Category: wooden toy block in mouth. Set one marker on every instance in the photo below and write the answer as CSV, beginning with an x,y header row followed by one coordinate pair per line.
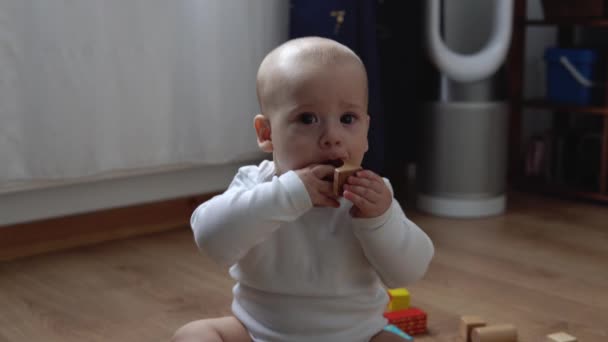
x,y
341,174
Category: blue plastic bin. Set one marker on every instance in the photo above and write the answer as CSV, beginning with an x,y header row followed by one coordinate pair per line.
x,y
562,86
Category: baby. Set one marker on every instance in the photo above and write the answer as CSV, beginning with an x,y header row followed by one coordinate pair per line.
x,y
309,265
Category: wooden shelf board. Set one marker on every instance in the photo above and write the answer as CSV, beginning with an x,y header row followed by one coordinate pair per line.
x,y
561,191
582,21
542,104
604,160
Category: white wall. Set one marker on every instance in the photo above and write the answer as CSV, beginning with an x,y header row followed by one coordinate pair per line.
x,y
34,200
52,201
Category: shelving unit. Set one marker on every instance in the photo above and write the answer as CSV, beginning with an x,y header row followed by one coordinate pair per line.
x,y
543,104
515,66
589,22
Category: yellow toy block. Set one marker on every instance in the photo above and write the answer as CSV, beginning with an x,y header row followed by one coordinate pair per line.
x,y
400,299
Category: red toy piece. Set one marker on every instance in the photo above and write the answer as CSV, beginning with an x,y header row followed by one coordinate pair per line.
x,y
412,321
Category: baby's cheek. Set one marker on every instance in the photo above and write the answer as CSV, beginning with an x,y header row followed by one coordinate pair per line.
x,y
293,158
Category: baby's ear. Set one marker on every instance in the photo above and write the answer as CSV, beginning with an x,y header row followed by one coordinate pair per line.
x,y
262,130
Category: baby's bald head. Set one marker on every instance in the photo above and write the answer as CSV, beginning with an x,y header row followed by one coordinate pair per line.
x,y
289,62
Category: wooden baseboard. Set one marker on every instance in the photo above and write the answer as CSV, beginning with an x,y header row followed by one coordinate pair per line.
x,y
26,239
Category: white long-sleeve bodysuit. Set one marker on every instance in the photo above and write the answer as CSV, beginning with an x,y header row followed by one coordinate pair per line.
x,y
304,273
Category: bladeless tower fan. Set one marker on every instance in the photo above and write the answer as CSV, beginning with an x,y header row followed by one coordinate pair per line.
x,y
463,158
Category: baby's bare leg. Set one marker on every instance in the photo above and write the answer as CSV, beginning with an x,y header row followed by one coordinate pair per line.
x,y
224,329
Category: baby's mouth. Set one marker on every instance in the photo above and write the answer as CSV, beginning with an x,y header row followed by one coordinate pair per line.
x,y
334,162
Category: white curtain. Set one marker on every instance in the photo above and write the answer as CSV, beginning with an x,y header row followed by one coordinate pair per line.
x,y
94,86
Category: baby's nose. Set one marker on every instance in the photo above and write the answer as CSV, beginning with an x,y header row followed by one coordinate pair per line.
x,y
331,137
329,143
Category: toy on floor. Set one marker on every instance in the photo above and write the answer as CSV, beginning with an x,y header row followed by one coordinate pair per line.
x,y
560,337
393,329
475,329
411,320
468,323
341,174
494,333
399,299
399,313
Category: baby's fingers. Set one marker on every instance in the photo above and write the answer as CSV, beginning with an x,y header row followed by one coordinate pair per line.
x,y
323,171
363,191
361,203
324,194
365,183
368,179
326,201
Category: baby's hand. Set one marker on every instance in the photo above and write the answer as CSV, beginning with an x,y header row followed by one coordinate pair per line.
x,y
369,194
319,189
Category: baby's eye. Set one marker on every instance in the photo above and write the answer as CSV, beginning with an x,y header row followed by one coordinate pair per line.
x,y
307,118
348,118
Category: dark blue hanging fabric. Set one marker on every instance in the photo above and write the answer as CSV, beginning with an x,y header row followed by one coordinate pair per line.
x,y
408,80
352,23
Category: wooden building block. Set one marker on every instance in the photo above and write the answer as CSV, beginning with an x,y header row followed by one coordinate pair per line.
x,y
467,323
561,337
495,333
341,174
400,299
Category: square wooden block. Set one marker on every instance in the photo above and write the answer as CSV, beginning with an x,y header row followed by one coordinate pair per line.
x,y
467,323
341,174
560,337
494,333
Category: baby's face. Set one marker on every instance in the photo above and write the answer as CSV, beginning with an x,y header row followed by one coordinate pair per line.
x,y
319,115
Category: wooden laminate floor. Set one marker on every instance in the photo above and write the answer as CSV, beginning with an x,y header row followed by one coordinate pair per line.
x,y
543,267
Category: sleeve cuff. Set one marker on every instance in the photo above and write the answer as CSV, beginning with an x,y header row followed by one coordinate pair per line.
x,y
373,222
297,191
